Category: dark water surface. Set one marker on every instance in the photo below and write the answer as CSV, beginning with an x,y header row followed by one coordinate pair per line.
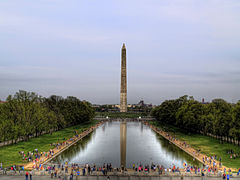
x,y
126,143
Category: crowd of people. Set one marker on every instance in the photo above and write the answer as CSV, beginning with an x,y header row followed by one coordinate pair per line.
x,y
233,154
61,170
35,156
212,161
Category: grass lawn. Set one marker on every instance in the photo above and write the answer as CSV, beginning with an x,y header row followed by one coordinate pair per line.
x,y
207,145
9,155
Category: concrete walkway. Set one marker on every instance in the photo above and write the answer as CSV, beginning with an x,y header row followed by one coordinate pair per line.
x,y
2,177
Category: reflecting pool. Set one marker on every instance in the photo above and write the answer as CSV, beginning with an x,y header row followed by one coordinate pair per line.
x,y
125,143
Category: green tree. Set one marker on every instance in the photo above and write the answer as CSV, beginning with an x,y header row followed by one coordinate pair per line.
x,y
166,112
235,124
189,116
54,103
221,111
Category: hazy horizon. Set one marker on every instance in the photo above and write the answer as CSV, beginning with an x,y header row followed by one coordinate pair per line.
x,y
73,48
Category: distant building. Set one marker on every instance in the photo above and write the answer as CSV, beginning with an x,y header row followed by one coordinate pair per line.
x,y
141,103
140,107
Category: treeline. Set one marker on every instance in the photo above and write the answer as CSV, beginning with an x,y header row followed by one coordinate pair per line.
x,y
218,119
26,114
145,109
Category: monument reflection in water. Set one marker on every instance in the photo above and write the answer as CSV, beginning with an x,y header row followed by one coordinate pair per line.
x,y
125,143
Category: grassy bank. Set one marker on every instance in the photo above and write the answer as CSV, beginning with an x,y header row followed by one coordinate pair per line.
x,y
207,145
9,155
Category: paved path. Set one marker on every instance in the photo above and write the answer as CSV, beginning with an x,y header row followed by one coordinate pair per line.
x,y
119,178
3,177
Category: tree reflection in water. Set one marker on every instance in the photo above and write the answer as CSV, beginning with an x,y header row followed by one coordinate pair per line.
x,y
125,143
71,152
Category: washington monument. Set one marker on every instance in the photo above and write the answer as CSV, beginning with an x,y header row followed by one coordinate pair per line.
x,y
123,93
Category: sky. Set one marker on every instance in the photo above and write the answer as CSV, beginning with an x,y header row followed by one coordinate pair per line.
x,y
73,48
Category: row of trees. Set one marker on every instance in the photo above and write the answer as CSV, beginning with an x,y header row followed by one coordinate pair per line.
x,y
218,118
146,109
27,114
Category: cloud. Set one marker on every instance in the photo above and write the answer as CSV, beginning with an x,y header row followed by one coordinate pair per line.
x,y
73,47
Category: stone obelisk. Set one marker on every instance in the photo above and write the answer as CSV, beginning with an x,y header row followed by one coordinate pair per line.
x,y
123,93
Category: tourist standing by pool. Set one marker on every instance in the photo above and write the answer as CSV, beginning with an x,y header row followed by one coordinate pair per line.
x,y
26,175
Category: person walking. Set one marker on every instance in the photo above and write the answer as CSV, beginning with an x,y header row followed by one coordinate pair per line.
x,y
228,176
71,176
30,175
224,176
83,171
26,175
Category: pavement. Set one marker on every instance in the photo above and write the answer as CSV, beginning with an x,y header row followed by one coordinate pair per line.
x,y
3,177
17,177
